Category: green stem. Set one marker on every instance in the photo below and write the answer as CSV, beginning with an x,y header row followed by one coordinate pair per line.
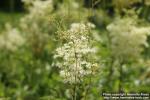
x,y
75,93
120,77
76,62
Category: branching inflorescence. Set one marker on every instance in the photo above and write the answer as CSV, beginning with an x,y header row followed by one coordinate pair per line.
x,y
75,55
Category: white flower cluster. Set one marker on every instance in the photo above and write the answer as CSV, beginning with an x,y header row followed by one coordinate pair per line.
x,y
75,56
127,39
36,24
11,39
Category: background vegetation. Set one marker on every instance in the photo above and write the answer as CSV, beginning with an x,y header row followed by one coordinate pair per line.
x,y
32,30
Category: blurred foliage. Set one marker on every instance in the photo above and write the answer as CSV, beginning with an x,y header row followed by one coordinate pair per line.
x,y
28,72
11,18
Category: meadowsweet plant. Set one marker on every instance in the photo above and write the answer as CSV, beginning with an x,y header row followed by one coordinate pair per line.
x,y
36,25
127,42
11,39
76,53
127,38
